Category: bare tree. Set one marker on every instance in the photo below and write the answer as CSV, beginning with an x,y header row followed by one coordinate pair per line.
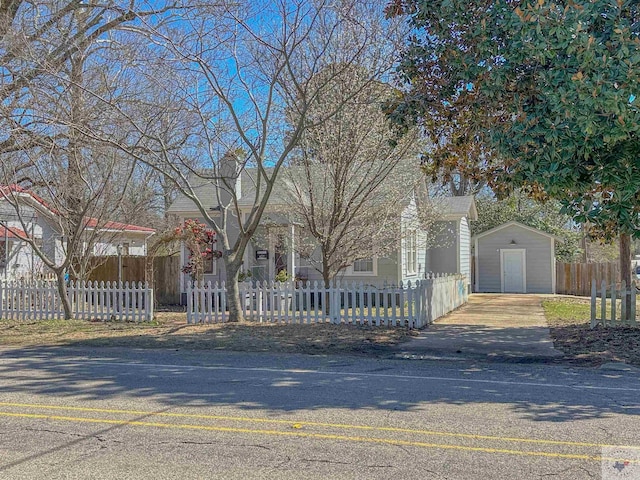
x,y
354,175
37,39
61,60
245,69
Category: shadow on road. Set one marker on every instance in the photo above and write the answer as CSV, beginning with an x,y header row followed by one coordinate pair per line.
x,y
291,383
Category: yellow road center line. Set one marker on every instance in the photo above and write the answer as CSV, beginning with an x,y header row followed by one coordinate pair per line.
x,y
323,436
319,424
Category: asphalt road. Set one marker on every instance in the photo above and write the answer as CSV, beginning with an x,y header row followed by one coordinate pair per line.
x,y
73,413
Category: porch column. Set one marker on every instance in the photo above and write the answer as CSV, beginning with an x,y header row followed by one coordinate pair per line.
x,y
272,258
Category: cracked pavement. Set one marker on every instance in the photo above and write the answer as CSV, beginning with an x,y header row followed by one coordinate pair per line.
x,y
117,413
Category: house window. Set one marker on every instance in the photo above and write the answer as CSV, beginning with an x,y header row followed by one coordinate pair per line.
x,y
3,254
125,249
209,263
364,265
412,252
209,266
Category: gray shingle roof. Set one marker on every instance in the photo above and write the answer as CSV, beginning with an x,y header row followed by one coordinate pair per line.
x,y
460,206
205,191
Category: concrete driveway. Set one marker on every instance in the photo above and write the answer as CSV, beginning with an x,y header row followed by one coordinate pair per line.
x,y
491,326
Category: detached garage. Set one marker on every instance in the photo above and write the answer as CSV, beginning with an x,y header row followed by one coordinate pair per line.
x,y
515,258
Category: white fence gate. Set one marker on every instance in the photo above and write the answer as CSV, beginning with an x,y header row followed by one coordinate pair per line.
x,y
412,305
617,314
89,301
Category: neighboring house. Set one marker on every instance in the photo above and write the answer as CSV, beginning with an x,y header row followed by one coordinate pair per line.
x,y
412,259
515,258
39,221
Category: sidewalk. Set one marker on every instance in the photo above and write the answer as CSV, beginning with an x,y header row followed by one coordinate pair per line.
x,y
497,327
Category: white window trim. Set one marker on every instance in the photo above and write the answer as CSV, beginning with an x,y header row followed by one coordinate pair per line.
x,y
350,273
412,267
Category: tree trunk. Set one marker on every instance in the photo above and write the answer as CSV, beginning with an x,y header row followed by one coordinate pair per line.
x,y
326,302
625,268
236,311
62,292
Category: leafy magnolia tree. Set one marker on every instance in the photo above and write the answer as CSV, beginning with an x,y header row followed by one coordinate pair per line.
x,y
452,115
457,155
353,174
562,78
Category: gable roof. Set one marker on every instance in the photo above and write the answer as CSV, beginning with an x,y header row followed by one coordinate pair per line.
x,y
460,207
205,190
91,223
513,223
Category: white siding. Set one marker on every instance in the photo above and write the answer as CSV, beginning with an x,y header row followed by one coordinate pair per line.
x,y
465,248
538,259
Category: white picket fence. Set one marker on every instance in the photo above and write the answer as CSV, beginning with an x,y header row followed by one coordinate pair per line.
x,y
613,308
89,301
412,305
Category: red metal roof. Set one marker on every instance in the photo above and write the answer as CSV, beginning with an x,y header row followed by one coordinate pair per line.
x,y
92,223
5,190
12,233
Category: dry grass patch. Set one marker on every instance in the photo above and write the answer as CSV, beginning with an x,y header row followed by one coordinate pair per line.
x,y
171,331
569,319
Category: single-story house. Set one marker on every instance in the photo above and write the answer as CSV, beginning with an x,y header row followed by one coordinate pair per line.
x,y
412,259
37,220
515,258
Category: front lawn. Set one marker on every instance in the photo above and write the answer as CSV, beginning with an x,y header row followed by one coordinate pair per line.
x,y
569,319
171,331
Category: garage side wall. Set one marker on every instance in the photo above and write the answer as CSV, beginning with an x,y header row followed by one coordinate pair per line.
x,y
538,259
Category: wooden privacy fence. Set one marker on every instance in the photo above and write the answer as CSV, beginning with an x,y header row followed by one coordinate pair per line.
x,y
575,278
412,305
166,280
618,313
162,272
105,269
89,301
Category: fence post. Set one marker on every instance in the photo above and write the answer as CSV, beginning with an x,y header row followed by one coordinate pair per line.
x,y
335,310
623,301
613,304
632,314
603,302
149,309
189,302
594,294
